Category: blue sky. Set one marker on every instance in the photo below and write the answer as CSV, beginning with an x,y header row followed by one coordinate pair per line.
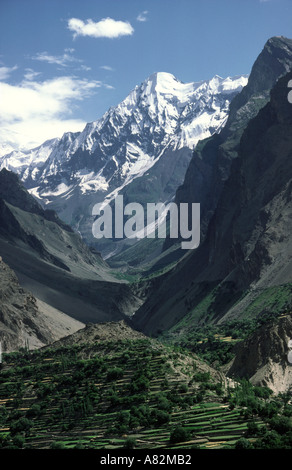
x,y
65,62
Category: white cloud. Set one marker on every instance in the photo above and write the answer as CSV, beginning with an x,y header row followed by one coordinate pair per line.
x,y
33,112
24,135
62,60
142,17
109,87
106,67
5,72
85,68
30,74
105,28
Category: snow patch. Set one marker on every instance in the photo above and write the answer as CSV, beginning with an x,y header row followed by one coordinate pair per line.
x,y
60,189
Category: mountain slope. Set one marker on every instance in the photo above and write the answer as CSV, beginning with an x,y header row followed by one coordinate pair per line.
x,y
96,387
53,262
212,159
24,321
162,118
94,391
93,333
262,357
247,244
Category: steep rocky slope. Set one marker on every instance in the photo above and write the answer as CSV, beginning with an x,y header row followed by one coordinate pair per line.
x,y
54,263
248,240
24,322
212,158
262,358
13,191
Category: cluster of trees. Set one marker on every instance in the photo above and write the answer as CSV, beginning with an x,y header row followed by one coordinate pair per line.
x,y
276,435
254,400
138,416
12,442
203,342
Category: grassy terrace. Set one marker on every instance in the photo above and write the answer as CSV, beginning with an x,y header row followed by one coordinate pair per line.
x,y
110,395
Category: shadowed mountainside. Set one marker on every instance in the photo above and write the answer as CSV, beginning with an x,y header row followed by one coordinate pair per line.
x,y
248,243
54,263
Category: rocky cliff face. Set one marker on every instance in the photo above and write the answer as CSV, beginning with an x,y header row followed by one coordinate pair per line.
x,y
25,321
212,159
20,319
263,357
252,222
248,240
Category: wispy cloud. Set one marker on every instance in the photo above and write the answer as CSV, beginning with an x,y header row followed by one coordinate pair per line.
x,y
105,28
85,68
106,67
142,17
30,74
5,72
109,87
62,60
32,112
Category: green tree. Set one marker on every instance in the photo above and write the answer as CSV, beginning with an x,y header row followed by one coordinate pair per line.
x,y
252,428
243,443
21,425
34,411
130,443
57,445
271,440
115,373
178,434
281,424
18,440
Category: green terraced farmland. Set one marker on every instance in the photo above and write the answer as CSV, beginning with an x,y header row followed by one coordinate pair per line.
x,y
116,394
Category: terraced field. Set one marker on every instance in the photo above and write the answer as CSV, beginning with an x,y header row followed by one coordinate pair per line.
x,y
110,395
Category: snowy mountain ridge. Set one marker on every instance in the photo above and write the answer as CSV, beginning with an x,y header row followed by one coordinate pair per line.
x,y
161,114
186,113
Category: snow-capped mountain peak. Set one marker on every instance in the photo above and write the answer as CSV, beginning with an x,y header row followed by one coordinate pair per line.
x,y
161,115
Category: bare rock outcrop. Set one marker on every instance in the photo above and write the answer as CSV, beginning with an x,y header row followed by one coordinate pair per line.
x,y
263,357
